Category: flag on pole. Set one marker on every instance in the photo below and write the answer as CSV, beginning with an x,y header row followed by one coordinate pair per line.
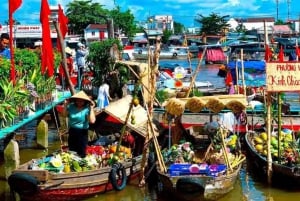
x,y
63,25
268,53
47,52
281,55
13,6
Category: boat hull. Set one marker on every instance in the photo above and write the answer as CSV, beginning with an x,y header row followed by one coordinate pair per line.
x,y
282,175
199,187
70,186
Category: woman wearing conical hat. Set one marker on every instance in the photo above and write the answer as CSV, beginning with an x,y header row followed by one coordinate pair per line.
x,y
80,113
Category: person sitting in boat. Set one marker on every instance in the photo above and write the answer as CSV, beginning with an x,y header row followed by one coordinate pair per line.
x,y
128,140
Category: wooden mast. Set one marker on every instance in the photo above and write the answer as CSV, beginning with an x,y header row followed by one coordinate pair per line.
x,y
63,56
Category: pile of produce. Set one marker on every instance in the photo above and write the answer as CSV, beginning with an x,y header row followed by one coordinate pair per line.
x,y
175,106
214,105
195,104
181,153
97,157
288,146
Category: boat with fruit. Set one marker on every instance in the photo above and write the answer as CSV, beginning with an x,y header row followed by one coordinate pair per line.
x,y
202,165
284,151
64,175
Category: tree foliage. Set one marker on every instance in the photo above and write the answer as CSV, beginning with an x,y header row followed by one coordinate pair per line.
x,y
213,24
166,36
123,22
279,22
81,13
178,28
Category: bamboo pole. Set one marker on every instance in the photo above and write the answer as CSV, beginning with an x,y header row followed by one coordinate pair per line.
x,y
279,123
269,157
243,71
237,76
63,55
224,149
195,73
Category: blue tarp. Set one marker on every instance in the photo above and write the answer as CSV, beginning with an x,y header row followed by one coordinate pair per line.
x,y
254,72
253,65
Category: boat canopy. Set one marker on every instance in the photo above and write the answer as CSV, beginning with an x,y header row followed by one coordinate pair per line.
x,y
250,65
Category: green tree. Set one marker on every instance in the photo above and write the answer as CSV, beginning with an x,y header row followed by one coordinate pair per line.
x,y
81,13
240,28
279,22
213,24
166,36
124,22
178,28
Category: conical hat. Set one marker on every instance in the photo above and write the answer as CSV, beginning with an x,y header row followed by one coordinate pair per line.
x,y
82,95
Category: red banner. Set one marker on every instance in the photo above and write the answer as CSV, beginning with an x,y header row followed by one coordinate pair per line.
x,y
13,6
47,51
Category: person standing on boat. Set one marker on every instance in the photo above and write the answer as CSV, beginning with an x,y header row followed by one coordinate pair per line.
x,y
69,61
4,42
80,61
80,113
103,96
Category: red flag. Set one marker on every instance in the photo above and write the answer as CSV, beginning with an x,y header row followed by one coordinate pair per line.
x,y
13,6
297,51
268,53
281,55
47,52
63,25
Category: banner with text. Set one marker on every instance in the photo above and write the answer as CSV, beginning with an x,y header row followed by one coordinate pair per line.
x,y
284,76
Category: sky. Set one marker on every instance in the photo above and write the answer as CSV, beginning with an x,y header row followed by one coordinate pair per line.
x,y
183,11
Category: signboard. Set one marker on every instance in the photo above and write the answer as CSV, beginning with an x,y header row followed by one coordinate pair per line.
x,y
283,76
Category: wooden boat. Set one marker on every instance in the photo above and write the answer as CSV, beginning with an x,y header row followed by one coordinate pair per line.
x,y
32,182
172,52
207,164
285,174
208,177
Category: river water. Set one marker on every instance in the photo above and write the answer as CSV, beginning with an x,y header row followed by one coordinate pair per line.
x,y
247,188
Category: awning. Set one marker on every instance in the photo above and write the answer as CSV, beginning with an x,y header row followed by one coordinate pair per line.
x,y
119,109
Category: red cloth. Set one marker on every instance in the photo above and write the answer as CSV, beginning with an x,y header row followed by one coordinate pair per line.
x,y
228,79
69,66
13,6
268,53
63,25
128,140
281,55
47,63
298,51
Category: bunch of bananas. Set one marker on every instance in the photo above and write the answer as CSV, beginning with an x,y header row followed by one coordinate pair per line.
x,y
214,105
235,106
195,104
175,106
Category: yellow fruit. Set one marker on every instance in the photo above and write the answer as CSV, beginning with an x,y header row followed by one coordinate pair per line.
x,y
258,140
56,163
67,168
135,101
264,136
259,147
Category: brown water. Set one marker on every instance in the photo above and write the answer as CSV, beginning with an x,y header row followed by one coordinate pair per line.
x,y
247,188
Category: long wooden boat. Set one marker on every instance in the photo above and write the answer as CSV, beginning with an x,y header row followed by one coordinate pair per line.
x,y
284,174
46,185
32,182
